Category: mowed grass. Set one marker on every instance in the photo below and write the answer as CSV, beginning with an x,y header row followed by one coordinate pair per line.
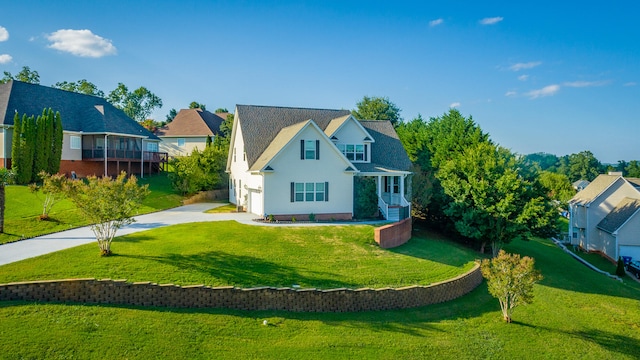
x,y
576,314
229,253
23,208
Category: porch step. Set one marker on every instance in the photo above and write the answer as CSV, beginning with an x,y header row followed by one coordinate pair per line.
x,y
394,213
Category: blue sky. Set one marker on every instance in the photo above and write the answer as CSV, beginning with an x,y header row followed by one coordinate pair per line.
x,y
539,77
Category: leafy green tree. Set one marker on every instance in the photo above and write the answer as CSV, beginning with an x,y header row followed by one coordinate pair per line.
x,y
583,166
172,115
221,110
81,86
138,104
492,202
5,178
633,169
223,139
377,108
209,141
557,185
510,279
196,105
201,170
108,204
544,161
421,192
25,75
53,187
365,197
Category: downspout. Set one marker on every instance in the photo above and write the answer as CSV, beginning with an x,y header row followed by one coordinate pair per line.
x,y
105,154
141,158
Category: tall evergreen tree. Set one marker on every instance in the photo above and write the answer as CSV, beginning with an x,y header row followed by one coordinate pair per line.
x,y
56,144
29,141
16,145
41,152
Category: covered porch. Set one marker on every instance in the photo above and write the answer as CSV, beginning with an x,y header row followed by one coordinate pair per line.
x,y
392,189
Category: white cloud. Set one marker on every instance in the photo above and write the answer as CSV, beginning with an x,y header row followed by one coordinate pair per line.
x,y
5,58
81,43
580,84
491,20
527,65
630,83
510,93
4,34
455,105
523,77
436,22
545,91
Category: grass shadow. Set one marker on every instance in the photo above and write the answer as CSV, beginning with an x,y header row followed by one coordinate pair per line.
x,y
246,271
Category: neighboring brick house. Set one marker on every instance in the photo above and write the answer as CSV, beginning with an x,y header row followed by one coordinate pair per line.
x,y
189,131
292,162
604,216
98,138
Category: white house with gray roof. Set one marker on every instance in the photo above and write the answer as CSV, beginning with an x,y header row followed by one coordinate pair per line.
x,y
293,162
603,216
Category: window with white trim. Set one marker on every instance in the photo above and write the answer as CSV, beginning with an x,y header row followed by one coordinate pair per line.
x,y
181,142
310,149
75,142
311,191
354,152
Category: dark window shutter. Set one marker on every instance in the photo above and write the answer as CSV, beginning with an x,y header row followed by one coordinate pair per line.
x,y
301,149
293,192
317,149
326,191
365,152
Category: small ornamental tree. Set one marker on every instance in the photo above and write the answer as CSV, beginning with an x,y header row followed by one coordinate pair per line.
x,y
510,279
108,204
53,187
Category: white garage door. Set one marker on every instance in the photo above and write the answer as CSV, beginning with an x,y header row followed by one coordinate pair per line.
x,y
633,251
255,202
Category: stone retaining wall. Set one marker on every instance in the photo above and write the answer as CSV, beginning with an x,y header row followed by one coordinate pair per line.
x,y
92,291
393,235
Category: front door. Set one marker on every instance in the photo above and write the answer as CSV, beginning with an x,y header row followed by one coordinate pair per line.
x,y
392,188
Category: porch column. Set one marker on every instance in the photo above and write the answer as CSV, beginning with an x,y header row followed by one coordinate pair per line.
x,y
106,146
402,185
379,186
141,158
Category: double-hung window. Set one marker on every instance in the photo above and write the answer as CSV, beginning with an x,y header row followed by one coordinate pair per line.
x,y
354,152
75,142
310,149
309,191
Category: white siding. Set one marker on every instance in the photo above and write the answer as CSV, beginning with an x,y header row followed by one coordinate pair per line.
x,y
170,145
67,152
288,168
240,179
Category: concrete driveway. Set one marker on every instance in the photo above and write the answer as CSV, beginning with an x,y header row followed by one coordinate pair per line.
x,y
45,244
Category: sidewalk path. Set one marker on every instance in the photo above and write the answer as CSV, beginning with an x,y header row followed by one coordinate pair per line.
x,y
45,244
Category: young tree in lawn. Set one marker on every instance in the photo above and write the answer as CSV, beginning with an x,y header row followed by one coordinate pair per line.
x,y
5,178
108,204
510,279
54,189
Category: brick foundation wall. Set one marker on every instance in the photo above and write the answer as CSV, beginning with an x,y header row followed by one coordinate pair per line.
x,y
86,168
321,217
392,235
120,292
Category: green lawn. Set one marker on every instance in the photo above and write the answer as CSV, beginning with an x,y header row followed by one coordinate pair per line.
x,y
229,253
577,313
23,207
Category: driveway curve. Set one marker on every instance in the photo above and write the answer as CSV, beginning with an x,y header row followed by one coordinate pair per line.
x,y
49,243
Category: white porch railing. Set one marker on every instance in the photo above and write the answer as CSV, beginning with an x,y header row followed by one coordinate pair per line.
x,y
384,208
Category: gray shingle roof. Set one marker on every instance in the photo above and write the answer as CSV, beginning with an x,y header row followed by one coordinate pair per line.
x,y
79,112
595,188
192,122
261,124
619,215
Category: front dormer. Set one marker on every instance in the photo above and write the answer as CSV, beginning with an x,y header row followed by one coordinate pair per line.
x,y
351,138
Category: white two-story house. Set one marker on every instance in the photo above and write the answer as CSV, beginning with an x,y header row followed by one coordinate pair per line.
x,y
296,162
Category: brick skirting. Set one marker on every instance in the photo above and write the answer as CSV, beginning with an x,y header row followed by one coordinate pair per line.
x,y
393,235
92,291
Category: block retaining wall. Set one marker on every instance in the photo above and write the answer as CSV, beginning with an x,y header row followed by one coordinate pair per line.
x,y
393,235
121,292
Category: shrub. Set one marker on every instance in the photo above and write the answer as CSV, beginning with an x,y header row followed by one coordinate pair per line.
x,y
620,268
312,217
